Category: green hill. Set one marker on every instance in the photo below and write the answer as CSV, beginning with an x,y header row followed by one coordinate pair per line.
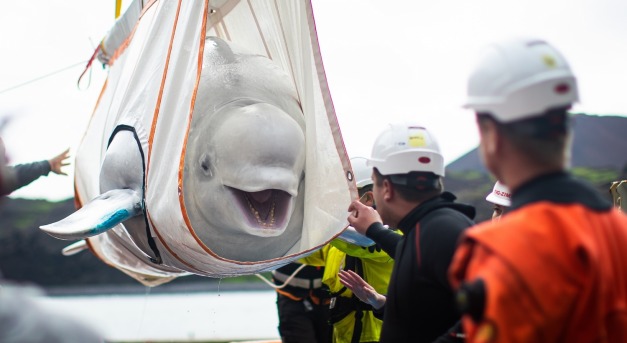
x,y
599,142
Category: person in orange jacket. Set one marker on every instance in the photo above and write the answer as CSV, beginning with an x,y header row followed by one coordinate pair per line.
x,y
554,267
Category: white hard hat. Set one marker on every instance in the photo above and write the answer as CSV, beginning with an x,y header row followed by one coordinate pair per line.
x,y
361,171
520,78
405,148
500,195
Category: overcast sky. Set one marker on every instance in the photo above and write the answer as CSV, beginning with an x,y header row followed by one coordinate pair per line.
x,y
405,61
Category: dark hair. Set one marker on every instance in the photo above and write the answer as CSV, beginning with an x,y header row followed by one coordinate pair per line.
x,y
543,139
414,186
364,189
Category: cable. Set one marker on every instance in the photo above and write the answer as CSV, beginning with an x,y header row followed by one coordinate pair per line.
x,y
286,281
41,77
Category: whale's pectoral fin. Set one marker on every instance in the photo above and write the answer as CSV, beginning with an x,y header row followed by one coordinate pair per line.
x,y
350,235
75,248
99,215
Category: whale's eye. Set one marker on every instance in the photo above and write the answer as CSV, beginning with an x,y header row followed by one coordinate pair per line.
x,y
205,165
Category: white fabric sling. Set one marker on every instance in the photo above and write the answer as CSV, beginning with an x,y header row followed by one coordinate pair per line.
x,y
155,59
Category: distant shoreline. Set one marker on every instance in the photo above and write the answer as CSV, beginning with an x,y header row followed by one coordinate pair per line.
x,y
134,289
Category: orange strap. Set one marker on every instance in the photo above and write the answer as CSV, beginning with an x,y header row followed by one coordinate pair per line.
x,y
91,60
289,295
316,300
319,301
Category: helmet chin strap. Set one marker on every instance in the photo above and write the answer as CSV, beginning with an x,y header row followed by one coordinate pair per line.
x,y
419,180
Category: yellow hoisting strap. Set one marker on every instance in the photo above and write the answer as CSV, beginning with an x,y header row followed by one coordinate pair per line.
x,y
118,8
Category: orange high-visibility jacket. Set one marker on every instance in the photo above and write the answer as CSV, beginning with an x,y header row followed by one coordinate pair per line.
x,y
553,270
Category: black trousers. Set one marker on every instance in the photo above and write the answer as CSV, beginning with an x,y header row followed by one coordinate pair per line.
x,y
303,321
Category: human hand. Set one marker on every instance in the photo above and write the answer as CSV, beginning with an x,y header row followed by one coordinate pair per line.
x,y
362,290
59,161
362,216
375,247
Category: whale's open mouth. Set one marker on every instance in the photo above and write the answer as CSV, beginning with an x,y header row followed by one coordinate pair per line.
x,y
266,211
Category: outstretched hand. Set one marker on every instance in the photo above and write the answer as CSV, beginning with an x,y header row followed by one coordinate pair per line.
x,y
362,216
59,161
362,290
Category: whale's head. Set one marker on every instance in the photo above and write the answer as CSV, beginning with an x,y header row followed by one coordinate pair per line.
x,y
243,178
246,175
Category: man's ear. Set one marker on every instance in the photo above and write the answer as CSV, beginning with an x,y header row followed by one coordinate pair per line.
x,y
491,138
367,198
388,190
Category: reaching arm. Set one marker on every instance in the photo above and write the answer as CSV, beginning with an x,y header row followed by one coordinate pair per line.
x,y
362,290
26,173
367,221
59,161
387,239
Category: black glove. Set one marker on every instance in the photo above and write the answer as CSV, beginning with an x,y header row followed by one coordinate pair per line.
x,y
373,247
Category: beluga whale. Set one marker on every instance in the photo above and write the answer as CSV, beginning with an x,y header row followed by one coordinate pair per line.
x,y
208,145
245,157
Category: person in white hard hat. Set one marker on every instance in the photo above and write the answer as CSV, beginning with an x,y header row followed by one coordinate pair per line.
x,y
407,173
554,268
354,321
500,197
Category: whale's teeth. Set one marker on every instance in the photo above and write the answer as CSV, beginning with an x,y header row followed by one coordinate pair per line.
x,y
263,222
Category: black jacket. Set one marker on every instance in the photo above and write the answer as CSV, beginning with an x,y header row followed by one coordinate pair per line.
x,y
420,304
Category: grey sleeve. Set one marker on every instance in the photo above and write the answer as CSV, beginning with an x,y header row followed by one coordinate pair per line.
x,y
26,173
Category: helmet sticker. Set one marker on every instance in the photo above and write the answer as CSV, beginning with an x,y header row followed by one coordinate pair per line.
x,y
549,61
417,139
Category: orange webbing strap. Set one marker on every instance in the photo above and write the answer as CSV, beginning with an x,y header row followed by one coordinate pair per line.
x,y
289,295
318,300
89,62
